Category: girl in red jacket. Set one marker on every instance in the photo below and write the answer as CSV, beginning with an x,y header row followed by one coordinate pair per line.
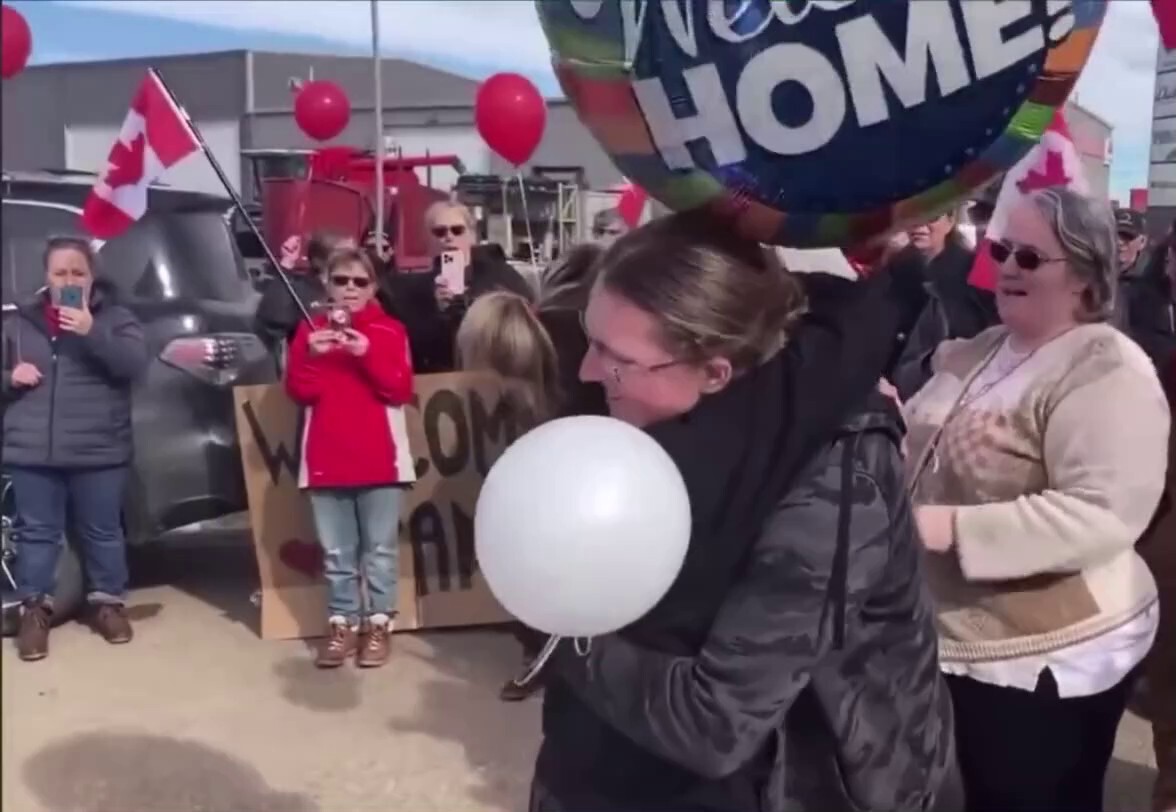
x,y
352,371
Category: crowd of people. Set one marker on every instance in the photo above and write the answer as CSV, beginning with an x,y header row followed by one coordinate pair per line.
x,y
933,555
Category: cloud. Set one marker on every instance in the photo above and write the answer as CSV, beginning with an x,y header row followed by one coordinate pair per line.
x,y
1118,85
467,32
489,35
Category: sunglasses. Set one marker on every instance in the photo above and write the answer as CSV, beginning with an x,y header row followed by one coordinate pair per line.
x,y
342,281
440,232
1126,236
1027,259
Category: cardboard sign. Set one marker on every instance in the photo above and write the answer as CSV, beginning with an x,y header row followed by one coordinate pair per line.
x,y
458,425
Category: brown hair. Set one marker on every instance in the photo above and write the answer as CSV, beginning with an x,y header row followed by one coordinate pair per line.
x,y
500,333
568,281
69,243
348,256
712,293
321,246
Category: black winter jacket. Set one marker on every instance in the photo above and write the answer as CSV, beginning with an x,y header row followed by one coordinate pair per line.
x,y
952,309
821,667
740,452
79,415
1151,311
431,330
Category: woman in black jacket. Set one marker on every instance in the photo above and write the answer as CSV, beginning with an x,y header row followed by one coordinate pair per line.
x,y
71,356
710,702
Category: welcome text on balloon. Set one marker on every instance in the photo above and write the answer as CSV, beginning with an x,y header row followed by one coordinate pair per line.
x,y
991,36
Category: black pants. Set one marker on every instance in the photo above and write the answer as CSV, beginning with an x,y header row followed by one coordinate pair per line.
x,y
1023,751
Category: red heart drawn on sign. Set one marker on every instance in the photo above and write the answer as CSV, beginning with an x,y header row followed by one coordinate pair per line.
x,y
305,557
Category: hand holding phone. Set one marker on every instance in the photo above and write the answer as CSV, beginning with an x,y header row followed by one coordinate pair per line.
x,y
453,271
339,318
71,296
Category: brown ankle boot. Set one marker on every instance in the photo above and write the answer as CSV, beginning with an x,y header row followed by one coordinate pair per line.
x,y
32,640
110,620
340,643
375,645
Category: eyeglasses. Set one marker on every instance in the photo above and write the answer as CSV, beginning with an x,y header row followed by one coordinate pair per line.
x,y
1027,258
1126,236
342,281
617,366
441,232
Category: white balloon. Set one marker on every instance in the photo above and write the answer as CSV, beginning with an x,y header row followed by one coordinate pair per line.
x,y
582,526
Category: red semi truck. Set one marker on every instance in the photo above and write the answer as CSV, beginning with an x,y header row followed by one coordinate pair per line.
x,y
334,189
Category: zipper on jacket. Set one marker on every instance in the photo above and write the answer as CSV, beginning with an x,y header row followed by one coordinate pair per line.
x,y
52,393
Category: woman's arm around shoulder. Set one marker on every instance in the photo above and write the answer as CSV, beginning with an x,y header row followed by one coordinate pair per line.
x,y
711,713
388,362
1105,447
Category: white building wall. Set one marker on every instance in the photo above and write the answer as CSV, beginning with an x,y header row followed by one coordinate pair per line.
x,y
87,147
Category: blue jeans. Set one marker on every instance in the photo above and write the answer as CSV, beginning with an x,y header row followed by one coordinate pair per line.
x,y
94,497
358,529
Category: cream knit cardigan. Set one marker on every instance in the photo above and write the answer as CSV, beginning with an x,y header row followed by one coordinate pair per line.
x,y
1052,491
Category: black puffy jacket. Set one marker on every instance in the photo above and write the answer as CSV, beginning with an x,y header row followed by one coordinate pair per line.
x,y
818,686
79,415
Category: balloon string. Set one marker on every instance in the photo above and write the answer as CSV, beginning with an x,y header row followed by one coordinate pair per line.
x,y
582,646
527,220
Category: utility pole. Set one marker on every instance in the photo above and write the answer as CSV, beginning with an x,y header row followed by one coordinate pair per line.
x,y
379,109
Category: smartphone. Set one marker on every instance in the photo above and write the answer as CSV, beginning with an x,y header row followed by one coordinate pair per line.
x,y
71,296
339,318
453,271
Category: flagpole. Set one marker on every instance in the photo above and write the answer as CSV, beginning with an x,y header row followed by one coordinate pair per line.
x,y
379,108
237,202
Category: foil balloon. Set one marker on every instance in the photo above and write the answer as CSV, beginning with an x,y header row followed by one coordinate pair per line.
x,y
815,123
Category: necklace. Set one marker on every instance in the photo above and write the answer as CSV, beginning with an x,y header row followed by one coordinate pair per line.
x,y
968,397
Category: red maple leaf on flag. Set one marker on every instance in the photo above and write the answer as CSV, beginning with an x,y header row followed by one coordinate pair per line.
x,y
1053,174
126,162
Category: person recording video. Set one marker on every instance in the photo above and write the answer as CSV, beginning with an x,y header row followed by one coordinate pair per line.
x,y
431,304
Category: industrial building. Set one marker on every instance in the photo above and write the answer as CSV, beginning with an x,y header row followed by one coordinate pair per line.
x,y
67,116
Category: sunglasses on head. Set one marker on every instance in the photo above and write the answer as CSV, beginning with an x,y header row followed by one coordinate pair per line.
x,y
342,281
440,232
1027,259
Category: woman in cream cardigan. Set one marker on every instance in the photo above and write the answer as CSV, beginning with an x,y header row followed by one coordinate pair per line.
x,y
1037,458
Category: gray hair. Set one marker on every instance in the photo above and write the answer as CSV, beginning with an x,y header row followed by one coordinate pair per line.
x,y
1085,227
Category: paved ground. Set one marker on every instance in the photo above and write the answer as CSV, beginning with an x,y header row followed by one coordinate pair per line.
x,y
199,715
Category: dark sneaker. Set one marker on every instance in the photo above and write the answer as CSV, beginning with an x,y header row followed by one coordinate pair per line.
x,y
32,640
110,621
515,691
340,643
375,645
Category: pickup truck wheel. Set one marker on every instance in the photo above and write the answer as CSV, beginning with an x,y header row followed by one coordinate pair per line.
x,y
66,600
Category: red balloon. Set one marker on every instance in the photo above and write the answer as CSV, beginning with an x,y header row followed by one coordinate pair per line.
x,y
321,109
17,43
511,116
632,204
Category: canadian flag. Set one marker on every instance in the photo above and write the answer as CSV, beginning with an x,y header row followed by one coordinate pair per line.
x,y
1165,11
155,136
1054,161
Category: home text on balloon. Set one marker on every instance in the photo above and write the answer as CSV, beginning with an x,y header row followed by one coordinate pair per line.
x,y
465,423
993,35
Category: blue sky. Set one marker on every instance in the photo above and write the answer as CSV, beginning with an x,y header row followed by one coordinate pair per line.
x,y
478,37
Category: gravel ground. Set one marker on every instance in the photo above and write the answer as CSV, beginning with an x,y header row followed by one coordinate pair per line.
x,y
199,715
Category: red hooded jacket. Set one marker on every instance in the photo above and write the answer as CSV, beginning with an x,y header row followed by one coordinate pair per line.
x,y
354,431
